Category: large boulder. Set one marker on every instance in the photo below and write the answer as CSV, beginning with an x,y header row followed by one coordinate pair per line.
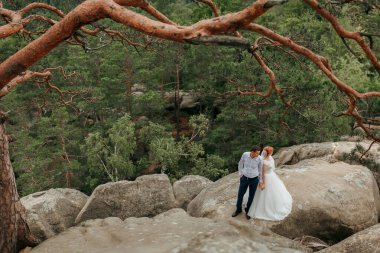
x,y
331,201
51,212
332,152
171,232
366,241
329,151
187,188
338,199
297,153
218,200
146,196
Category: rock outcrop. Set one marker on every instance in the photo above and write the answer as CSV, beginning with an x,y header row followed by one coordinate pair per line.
x,y
147,196
331,201
173,231
329,151
51,212
187,188
187,100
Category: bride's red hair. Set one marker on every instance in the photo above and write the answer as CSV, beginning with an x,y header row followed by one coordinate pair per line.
x,y
269,150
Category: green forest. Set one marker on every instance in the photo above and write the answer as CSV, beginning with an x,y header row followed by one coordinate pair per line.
x,y
119,110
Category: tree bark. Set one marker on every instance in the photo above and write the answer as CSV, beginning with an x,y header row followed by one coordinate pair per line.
x,y
8,197
14,231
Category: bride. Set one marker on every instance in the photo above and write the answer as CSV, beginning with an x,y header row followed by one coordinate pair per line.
x,y
273,201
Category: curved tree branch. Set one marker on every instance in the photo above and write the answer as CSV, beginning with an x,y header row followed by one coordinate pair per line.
x,y
16,21
322,63
27,75
92,10
44,6
318,60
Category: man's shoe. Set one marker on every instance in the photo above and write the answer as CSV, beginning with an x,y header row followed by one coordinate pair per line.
x,y
236,213
247,216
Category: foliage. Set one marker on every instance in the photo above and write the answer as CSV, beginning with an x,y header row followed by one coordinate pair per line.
x,y
109,155
57,141
107,134
211,167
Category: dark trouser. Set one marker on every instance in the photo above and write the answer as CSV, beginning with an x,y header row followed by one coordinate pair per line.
x,y
246,182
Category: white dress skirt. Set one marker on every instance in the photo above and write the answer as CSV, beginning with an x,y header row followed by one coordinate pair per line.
x,y
274,202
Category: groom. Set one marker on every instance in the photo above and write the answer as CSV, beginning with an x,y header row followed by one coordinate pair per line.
x,y
250,172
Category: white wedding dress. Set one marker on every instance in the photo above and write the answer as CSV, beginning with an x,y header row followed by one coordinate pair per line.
x,y
274,202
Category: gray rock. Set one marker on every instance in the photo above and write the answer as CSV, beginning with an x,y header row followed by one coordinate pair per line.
x,y
337,199
173,231
294,154
331,201
330,151
138,87
217,201
51,212
146,196
187,188
366,241
187,100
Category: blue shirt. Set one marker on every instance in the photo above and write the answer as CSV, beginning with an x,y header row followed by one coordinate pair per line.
x,y
251,167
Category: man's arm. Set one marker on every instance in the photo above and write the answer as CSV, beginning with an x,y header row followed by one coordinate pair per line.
x,y
241,165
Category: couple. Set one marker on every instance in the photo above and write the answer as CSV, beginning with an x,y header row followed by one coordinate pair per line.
x,y
272,201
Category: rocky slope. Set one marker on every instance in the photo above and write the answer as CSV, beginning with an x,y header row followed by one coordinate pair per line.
x,y
333,200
